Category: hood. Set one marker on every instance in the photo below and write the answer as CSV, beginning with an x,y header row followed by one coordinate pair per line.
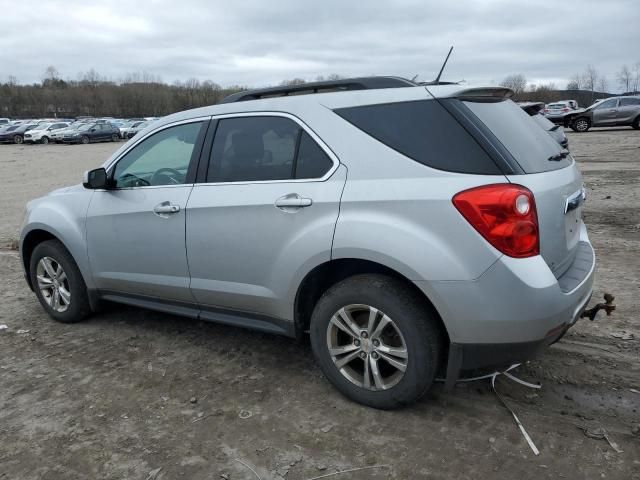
x,y
63,190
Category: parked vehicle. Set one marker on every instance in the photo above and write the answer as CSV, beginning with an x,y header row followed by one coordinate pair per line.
x,y
557,110
15,133
612,112
92,132
42,133
125,129
444,249
4,122
133,131
535,109
57,135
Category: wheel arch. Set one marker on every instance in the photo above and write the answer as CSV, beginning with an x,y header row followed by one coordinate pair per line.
x,y
327,274
30,241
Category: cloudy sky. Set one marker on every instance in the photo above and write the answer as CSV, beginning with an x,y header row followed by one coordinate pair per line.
x,y
257,43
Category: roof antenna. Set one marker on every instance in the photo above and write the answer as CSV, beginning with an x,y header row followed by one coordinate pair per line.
x,y
437,80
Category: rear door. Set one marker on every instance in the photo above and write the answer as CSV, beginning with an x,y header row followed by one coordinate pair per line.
x,y
606,113
265,212
555,181
628,110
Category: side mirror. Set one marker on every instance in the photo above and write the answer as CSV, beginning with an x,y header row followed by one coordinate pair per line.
x,y
96,178
93,130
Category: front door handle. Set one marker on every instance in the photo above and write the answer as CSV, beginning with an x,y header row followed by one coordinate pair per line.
x,y
293,200
165,208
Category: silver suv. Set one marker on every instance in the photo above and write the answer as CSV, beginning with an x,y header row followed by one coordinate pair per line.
x,y
411,231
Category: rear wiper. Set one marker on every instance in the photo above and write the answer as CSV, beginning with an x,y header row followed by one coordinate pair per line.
x,y
559,156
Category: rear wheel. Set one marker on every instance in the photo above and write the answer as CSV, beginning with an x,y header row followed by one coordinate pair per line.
x,y
376,341
636,123
114,137
581,125
85,139
18,139
58,283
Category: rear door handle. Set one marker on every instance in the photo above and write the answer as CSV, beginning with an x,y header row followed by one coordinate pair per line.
x,y
165,208
293,200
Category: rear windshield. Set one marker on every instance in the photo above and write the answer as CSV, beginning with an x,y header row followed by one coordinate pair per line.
x,y
517,131
425,132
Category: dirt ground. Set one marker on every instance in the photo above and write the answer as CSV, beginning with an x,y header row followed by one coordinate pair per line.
x,y
132,394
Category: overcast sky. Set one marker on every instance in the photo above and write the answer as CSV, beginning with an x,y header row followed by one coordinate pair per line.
x,y
257,43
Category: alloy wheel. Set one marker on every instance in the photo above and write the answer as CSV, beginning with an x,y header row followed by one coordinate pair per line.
x,y
582,125
367,347
53,284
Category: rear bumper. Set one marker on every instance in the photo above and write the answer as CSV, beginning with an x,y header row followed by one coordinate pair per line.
x,y
514,310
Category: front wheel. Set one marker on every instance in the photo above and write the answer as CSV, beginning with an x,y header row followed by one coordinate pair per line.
x,y
636,123
581,125
58,283
85,139
18,139
376,341
44,140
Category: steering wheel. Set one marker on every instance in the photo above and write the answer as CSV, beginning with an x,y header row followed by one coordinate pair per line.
x,y
169,173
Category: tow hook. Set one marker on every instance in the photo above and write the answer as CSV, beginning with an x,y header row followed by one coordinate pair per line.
x,y
608,307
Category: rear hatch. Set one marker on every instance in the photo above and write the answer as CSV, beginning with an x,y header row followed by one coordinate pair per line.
x,y
545,169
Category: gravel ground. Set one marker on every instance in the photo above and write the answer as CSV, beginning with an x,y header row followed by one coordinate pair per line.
x,y
141,395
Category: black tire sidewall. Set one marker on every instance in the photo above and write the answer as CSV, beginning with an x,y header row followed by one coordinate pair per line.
x,y
79,308
85,140
415,322
44,140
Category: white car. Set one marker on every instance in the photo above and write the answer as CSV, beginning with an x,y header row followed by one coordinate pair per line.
x,y
42,133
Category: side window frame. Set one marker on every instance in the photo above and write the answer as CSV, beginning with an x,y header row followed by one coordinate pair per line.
x,y
196,154
206,157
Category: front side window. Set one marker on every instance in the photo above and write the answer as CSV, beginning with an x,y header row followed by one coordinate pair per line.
x,y
257,148
160,159
608,104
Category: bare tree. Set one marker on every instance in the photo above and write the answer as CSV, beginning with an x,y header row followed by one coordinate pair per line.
x,y
293,81
12,80
625,78
516,82
50,73
636,77
575,82
603,84
590,79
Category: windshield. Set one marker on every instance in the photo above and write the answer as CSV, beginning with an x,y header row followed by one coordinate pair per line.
x,y
42,126
530,146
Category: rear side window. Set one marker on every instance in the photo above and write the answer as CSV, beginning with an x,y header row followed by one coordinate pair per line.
x,y
626,102
530,146
253,149
425,132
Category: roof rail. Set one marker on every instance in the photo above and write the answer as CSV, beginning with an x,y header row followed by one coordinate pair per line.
x,y
364,83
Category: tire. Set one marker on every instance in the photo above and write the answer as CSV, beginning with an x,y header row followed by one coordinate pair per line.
x,y
85,140
413,330
581,125
636,123
114,137
58,259
18,139
44,140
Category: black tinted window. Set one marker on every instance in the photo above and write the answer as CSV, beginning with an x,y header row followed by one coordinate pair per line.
x,y
625,102
312,162
530,145
423,131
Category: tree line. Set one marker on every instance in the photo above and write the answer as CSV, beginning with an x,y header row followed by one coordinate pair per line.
x,y
137,95
585,87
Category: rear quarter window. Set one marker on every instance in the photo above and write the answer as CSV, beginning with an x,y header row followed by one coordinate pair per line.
x,y
425,132
530,146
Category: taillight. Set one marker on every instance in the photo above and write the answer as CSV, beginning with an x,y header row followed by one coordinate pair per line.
x,y
505,215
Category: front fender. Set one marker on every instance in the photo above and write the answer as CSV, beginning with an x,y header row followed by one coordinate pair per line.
x,y
62,215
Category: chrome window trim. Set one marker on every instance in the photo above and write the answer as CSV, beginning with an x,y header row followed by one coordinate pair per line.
x,y
325,148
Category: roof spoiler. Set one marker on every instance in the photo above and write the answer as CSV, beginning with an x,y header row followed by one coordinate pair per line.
x,y
484,93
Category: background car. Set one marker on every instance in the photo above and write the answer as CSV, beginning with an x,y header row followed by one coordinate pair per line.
x,y
124,130
535,109
92,132
42,133
4,121
15,133
612,112
557,110
132,131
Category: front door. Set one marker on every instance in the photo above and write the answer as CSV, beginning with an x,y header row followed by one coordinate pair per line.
x,y
136,229
605,114
266,213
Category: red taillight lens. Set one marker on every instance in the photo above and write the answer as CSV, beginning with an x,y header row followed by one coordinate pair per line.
x,y
505,215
